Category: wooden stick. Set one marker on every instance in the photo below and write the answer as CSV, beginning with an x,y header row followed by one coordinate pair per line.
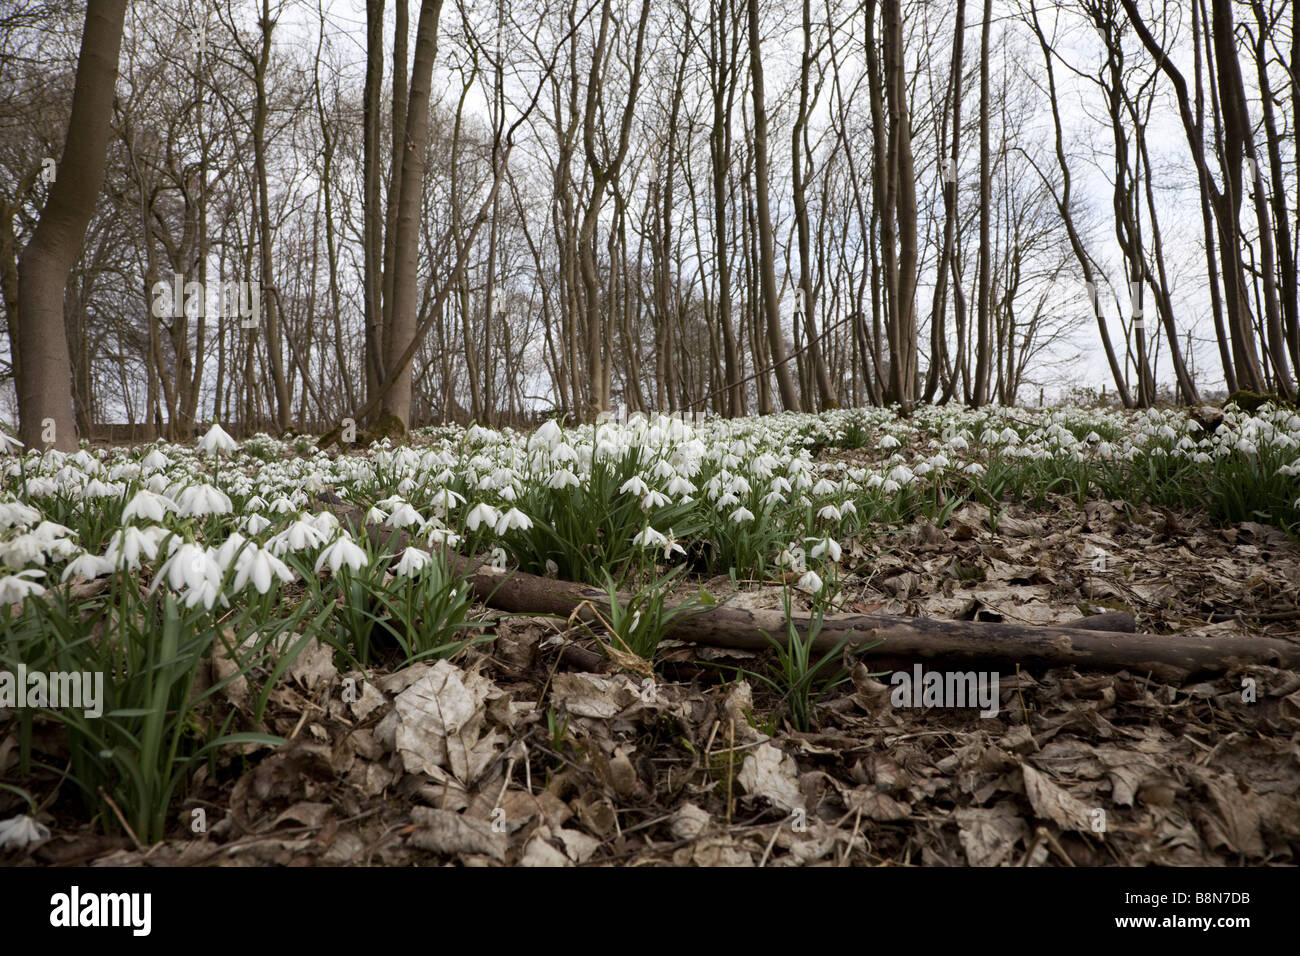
x,y
894,640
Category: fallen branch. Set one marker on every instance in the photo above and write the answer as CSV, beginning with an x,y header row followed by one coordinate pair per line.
x,y
896,641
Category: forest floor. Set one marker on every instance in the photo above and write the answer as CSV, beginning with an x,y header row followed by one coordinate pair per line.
x,y
508,755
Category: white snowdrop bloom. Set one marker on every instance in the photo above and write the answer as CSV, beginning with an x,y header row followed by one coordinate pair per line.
x,y
548,435
99,489
811,582
958,443
17,514
21,831
739,486
827,546
404,516
924,468
9,444
824,487
829,513
974,468
940,461
234,545
155,461
88,566
255,503
726,501
217,442
848,508
902,474
889,442
563,454
663,469
563,478
149,505
771,499
890,486
198,500
441,537
1246,447
648,537
634,486
482,514
654,499
444,500
412,562
299,536
343,551
514,518
260,567
128,545
283,506
740,515
325,523
189,566
253,524
677,485
16,587
731,461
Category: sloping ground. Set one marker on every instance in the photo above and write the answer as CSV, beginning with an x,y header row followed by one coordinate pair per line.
x,y
510,755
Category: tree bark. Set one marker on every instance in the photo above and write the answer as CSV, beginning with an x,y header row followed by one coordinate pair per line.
x,y
45,390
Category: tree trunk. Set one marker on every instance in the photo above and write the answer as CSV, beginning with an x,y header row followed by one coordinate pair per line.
x,y
44,392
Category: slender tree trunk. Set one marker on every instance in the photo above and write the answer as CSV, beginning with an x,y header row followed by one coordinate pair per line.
x,y
44,392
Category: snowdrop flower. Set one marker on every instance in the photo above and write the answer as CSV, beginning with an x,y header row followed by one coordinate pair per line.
x,y
514,518
444,500
283,506
741,514
343,551
149,505
648,537
547,436
9,444
677,485
443,537
482,514
634,486
88,566
259,566
654,499
253,524
829,547
890,486
889,442
830,513
325,523
15,513
189,567
198,500
21,831
811,582
128,544
563,478
155,461
412,561
404,516
217,442
15,587
299,536
376,515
